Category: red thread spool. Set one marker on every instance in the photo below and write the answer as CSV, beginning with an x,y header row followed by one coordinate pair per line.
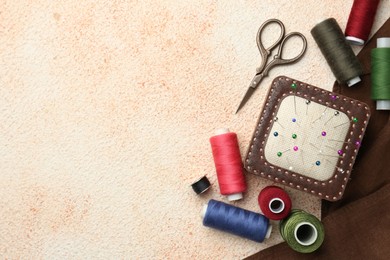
x,y
360,21
274,202
228,164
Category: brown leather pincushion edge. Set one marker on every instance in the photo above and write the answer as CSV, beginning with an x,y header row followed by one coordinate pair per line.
x,y
331,189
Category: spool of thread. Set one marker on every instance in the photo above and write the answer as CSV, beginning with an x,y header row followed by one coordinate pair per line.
x,y
302,231
274,202
201,185
360,21
228,164
237,221
380,74
337,52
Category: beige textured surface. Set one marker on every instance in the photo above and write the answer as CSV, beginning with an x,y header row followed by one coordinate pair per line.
x,y
106,108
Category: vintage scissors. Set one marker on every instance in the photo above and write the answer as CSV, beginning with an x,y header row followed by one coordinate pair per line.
x,y
262,71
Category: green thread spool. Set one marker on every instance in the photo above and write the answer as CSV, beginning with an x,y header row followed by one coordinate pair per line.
x,y
302,231
337,52
380,74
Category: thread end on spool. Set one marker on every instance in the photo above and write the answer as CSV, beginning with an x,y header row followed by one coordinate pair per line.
x,y
383,105
269,231
322,19
233,197
221,131
353,81
354,41
305,233
204,210
383,42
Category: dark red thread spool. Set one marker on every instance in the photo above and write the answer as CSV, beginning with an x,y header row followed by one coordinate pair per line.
x,y
274,202
360,21
228,164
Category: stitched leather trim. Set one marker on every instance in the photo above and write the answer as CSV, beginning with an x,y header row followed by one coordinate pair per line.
x,y
331,189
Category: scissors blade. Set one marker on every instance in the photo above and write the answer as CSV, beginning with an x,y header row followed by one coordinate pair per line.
x,y
252,87
245,99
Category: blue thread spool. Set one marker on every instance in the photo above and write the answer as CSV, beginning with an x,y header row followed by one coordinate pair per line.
x,y
237,221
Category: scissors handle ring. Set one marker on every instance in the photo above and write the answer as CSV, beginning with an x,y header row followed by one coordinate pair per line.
x,y
296,58
278,60
265,52
260,31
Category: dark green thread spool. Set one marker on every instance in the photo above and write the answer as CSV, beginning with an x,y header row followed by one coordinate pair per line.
x,y
380,74
302,231
337,52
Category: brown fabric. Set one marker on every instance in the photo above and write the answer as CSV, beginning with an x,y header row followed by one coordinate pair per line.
x,y
357,226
